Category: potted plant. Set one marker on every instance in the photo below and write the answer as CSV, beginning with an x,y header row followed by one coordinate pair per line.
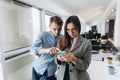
x,y
118,59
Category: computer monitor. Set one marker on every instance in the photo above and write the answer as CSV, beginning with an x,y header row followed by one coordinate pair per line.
x,y
95,45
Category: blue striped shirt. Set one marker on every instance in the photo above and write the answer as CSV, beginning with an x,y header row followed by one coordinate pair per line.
x,y
45,61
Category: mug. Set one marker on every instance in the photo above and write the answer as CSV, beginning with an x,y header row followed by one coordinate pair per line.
x,y
112,70
109,60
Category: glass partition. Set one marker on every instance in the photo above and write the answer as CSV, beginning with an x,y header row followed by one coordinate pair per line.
x,y
16,25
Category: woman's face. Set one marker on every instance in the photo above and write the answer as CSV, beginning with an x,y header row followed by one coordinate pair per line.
x,y
72,30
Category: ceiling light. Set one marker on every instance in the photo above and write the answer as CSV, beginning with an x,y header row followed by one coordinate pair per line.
x,y
107,20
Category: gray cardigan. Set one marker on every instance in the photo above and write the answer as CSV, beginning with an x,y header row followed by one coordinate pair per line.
x,y
81,48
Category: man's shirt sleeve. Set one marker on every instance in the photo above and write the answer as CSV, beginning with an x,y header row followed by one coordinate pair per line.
x,y
37,44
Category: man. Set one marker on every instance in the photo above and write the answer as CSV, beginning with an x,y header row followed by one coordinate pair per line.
x,y
106,46
45,48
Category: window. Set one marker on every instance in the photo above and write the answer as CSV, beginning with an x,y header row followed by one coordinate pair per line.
x,y
19,25
36,22
47,21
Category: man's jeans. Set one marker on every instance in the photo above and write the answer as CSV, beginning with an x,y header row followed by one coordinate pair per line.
x,y
36,76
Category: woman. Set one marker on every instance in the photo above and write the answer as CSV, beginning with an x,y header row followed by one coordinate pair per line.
x,y
73,65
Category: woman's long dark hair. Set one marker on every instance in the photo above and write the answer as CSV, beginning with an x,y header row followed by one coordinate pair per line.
x,y
65,42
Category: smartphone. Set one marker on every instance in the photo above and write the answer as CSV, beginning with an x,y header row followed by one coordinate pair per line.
x,y
62,52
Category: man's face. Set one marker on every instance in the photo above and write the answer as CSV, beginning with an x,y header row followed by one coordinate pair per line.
x,y
104,41
56,29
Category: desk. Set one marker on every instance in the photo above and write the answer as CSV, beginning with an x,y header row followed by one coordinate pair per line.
x,y
98,69
98,57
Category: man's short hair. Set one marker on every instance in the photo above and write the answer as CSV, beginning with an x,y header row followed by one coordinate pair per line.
x,y
56,20
104,37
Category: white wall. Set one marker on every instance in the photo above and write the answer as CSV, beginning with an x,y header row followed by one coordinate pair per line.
x,y
101,25
117,25
97,23
84,26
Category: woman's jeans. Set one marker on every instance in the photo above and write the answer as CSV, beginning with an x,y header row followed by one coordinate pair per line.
x,y
36,76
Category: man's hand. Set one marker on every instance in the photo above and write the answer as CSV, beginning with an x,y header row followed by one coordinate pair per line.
x,y
102,50
53,50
